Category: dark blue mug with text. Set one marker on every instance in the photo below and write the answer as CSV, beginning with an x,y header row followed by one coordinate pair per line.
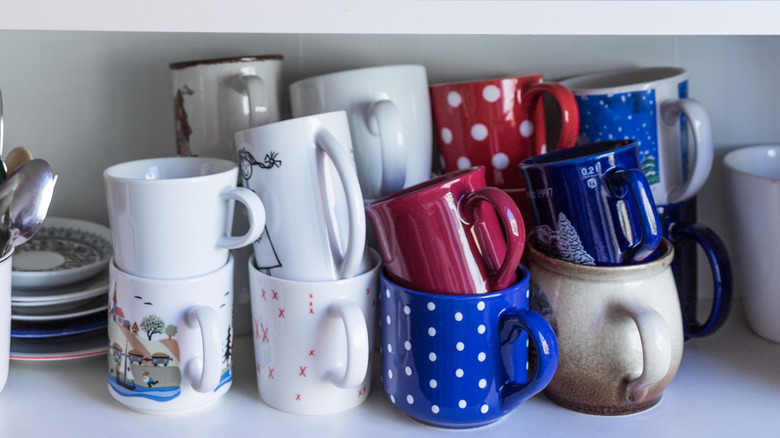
x,y
592,204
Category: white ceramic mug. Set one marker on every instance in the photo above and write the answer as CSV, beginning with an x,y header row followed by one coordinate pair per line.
x,y
650,106
170,341
752,176
304,172
213,98
172,217
314,340
389,113
5,317
619,330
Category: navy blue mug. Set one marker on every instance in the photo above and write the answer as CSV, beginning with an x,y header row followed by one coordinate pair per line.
x,y
680,227
592,204
462,361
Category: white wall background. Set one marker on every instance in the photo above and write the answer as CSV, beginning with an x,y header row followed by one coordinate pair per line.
x,y
86,100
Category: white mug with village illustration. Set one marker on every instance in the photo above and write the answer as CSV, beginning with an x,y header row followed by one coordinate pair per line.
x,y
170,341
213,98
304,173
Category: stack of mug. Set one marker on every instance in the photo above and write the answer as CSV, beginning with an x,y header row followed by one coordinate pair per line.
x,y
171,280
455,323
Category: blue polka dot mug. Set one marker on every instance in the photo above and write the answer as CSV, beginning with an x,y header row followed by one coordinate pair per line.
x,y
462,361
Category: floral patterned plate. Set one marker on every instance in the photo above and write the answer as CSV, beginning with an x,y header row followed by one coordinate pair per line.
x,y
63,251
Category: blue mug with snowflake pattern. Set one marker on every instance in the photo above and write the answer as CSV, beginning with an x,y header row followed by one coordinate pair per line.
x,y
593,205
462,361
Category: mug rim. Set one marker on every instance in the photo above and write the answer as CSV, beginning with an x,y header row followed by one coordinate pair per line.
x,y
522,279
376,263
479,82
229,264
646,77
294,120
404,194
564,157
360,70
119,171
180,65
731,158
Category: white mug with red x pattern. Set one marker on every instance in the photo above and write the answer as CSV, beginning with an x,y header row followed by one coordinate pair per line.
x,y
314,340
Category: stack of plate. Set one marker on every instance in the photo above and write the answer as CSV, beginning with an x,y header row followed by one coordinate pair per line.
x,y
59,296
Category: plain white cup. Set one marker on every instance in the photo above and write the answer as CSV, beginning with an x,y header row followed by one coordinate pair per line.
x,y
314,340
389,112
170,341
304,172
172,217
752,176
5,317
213,98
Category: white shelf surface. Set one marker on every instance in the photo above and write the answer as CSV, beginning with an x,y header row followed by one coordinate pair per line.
x,y
728,385
489,17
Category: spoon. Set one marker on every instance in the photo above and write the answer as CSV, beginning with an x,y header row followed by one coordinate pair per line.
x,y
25,197
3,171
16,157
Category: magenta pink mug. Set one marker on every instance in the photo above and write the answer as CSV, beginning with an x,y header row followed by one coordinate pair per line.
x,y
450,235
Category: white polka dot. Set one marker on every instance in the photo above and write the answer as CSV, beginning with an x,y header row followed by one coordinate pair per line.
x,y
526,128
454,99
388,320
389,348
500,161
387,293
481,305
431,306
407,310
410,399
458,316
484,409
481,329
460,346
433,383
462,404
392,399
491,93
526,366
435,409
389,374
408,371
463,163
446,135
407,345
479,132
459,373
482,383
481,357
432,357
431,331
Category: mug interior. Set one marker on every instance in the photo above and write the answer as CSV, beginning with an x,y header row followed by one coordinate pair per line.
x,y
623,78
169,168
576,152
761,161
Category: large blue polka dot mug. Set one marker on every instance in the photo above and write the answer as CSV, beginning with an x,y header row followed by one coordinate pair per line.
x,y
461,361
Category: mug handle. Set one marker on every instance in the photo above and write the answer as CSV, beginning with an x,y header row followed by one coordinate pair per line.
x,y
699,122
621,183
569,113
255,214
384,120
204,372
514,392
720,265
258,99
353,372
656,343
345,167
514,231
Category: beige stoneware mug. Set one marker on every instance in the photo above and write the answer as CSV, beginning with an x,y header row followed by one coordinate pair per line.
x,y
619,330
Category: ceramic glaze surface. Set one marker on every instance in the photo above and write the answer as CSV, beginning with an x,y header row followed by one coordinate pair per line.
x,y
171,341
304,172
619,331
314,341
650,106
462,361
389,113
170,217
753,191
592,204
498,123
445,236
680,227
